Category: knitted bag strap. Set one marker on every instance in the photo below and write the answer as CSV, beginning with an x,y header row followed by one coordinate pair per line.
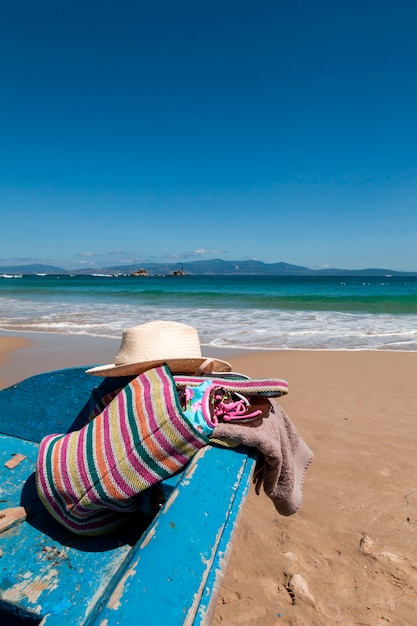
x,y
271,387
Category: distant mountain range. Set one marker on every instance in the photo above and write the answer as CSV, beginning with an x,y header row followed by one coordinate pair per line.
x,y
213,267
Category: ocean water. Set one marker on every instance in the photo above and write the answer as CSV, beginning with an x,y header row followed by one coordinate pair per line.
x,y
252,312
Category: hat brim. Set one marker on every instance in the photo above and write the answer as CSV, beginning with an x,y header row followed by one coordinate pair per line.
x,y
177,366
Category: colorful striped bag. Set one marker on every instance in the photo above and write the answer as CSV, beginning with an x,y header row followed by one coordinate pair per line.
x,y
89,479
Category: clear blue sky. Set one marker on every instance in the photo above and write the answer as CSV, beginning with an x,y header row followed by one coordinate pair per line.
x,y
281,130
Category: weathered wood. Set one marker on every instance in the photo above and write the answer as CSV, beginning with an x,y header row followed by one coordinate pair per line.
x,y
166,570
11,517
14,461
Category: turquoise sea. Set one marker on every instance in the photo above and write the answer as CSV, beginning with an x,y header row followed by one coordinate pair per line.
x,y
250,312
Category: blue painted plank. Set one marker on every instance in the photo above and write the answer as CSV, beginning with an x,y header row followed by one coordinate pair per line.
x,y
44,568
207,605
168,573
54,402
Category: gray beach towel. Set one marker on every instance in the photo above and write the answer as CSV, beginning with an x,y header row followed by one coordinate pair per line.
x,y
283,456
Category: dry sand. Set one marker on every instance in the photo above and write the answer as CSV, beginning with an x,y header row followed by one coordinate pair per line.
x,y
349,556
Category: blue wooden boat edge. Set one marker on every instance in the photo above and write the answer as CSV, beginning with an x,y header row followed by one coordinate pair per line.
x,y
171,574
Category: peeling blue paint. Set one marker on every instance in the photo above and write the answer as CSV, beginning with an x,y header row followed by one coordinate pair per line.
x,y
168,573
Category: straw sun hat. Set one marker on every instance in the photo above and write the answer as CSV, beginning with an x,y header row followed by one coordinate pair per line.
x,y
156,343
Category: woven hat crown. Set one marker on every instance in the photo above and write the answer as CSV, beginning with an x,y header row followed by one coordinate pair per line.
x,y
156,343
158,340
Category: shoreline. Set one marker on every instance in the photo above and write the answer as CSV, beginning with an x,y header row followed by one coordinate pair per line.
x,y
348,555
25,354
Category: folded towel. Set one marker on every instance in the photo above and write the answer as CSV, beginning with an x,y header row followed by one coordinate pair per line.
x,y
283,460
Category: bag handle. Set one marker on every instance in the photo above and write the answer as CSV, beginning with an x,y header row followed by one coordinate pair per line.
x,y
271,387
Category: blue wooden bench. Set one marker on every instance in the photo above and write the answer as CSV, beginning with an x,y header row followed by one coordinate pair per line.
x,y
165,567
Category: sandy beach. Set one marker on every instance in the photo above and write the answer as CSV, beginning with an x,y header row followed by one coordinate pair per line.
x,y
349,556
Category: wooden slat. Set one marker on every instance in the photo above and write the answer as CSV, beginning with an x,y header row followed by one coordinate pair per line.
x,y
168,573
